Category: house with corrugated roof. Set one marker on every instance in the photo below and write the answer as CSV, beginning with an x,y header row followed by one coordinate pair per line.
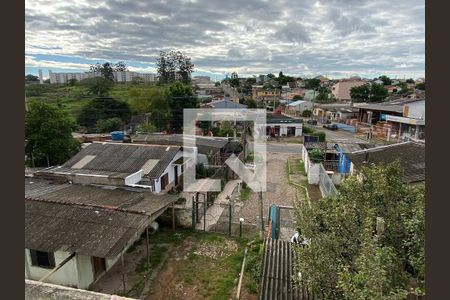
x,y
74,234
153,167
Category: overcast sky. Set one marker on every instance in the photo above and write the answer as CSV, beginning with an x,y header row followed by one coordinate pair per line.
x,y
334,38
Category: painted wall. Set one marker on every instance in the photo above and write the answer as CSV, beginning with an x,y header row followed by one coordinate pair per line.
x,y
67,275
170,170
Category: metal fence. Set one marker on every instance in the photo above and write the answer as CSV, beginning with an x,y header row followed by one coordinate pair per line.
x,y
325,183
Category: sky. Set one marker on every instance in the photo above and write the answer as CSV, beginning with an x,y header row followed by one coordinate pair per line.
x,y
334,38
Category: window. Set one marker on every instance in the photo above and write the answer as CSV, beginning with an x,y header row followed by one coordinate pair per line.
x,y
42,259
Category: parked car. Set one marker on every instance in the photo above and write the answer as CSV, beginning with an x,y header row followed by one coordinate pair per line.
x,y
312,122
331,126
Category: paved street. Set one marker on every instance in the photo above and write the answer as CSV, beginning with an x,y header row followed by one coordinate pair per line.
x,y
280,147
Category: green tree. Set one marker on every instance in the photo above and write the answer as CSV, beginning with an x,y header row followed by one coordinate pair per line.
x,y
251,103
312,83
103,108
226,129
410,80
297,97
367,242
108,125
368,93
72,81
31,77
306,113
97,86
146,128
173,63
48,134
420,86
386,80
180,97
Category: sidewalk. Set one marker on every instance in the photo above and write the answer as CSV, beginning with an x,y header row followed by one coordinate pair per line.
x,y
214,212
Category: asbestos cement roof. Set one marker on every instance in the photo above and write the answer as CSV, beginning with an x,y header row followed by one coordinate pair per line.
x,y
410,154
118,159
89,220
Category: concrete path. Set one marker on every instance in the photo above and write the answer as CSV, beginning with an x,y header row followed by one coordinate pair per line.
x,y
214,212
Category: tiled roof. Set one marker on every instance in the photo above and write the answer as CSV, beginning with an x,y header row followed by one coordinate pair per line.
x,y
410,154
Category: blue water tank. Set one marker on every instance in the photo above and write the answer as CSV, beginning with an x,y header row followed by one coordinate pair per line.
x,y
117,135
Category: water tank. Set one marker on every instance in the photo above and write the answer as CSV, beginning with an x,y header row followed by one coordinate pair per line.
x,y
117,135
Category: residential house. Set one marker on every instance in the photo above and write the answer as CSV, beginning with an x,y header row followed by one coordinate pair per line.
x,y
341,90
224,104
211,150
153,167
411,156
82,229
259,93
296,108
278,125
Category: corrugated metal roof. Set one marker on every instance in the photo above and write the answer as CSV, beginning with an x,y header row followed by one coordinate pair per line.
x,y
88,220
277,274
118,159
410,154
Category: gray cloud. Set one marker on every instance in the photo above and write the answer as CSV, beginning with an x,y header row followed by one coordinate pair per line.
x,y
250,36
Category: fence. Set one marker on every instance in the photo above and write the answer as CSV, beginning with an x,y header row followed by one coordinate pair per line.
x,y
325,183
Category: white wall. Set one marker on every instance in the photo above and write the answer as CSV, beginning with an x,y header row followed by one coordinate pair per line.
x,y
171,170
416,110
85,271
67,275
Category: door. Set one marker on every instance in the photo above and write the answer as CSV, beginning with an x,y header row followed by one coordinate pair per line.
x,y
164,181
176,175
99,264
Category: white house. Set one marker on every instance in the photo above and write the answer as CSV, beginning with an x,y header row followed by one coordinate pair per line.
x,y
154,167
75,233
298,107
279,125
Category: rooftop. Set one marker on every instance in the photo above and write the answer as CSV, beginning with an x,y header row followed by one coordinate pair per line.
x,y
410,154
225,104
118,159
88,220
272,118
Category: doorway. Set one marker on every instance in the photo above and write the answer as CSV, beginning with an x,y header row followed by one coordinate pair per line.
x,y
99,264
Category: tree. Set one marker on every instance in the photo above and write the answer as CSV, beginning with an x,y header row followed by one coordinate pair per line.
x,y
312,83
367,242
368,93
180,97
297,97
102,108
108,125
173,63
48,134
306,113
146,128
410,80
98,86
72,81
226,130
386,80
251,103
420,86
31,77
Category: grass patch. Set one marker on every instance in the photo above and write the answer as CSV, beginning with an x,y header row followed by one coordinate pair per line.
x,y
245,193
215,278
252,274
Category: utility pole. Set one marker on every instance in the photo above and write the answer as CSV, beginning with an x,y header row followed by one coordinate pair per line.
x,y
261,216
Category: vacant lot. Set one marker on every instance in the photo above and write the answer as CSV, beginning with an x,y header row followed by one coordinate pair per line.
x,y
182,265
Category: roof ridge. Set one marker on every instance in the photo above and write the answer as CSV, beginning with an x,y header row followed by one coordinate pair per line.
x,y
381,147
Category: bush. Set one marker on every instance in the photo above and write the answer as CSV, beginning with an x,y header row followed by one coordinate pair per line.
x,y
316,155
321,135
108,125
306,113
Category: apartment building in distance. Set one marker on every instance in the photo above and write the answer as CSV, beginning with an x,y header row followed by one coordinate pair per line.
x,y
119,76
341,90
259,93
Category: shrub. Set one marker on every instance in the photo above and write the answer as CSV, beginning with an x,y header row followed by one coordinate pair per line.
x,y
108,125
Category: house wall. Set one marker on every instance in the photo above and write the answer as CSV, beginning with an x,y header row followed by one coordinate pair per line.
x,y
67,275
416,110
78,272
171,171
